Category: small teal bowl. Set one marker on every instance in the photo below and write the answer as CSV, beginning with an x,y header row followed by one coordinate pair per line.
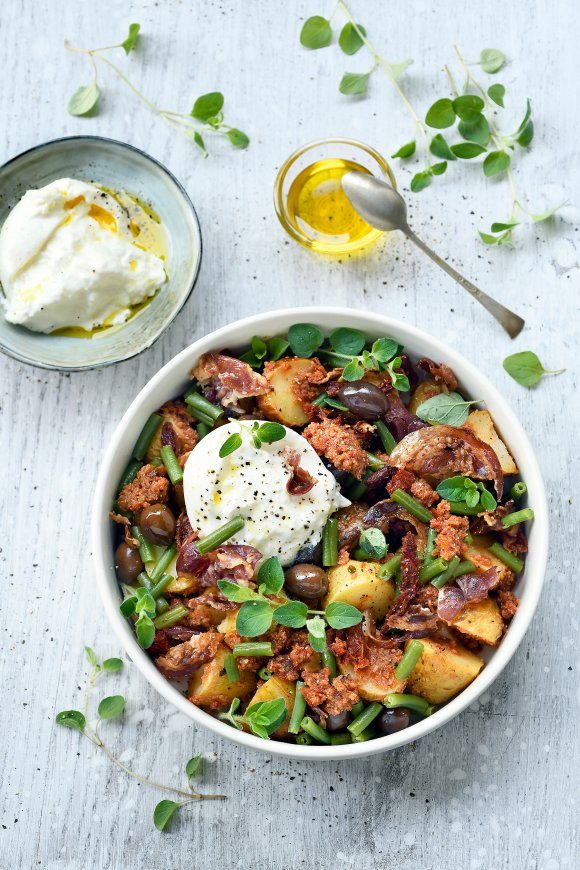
x,y
120,167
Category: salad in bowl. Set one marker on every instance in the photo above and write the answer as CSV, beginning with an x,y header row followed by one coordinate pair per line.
x,y
317,539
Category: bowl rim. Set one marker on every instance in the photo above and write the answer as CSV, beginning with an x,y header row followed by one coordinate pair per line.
x,y
271,322
197,227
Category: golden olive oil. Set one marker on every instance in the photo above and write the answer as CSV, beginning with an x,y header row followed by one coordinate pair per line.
x,y
149,235
319,208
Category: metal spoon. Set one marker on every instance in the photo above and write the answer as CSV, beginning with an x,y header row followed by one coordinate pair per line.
x,y
382,207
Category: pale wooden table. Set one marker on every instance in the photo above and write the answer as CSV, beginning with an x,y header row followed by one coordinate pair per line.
x,y
498,787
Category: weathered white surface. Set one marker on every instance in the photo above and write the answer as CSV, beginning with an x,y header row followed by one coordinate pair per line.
x,y
497,788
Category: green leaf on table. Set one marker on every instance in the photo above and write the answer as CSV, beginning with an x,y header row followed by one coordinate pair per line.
x,y
271,576
111,665
293,614
131,40
316,32
91,656
207,106
111,707
468,106
441,114
420,181
496,93
526,369
446,409
84,99
233,442
163,813
238,138
496,162
347,341
349,39
354,84
525,132
340,615
438,168
491,60
397,69
498,227
254,618
71,719
198,139
538,218
440,148
406,150
316,633
304,339
475,130
467,150
193,765
487,238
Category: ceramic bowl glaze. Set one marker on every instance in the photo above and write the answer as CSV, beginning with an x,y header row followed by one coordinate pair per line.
x,y
118,166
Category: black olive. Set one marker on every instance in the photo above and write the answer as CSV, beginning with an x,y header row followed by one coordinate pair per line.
x,y
128,563
158,524
311,553
364,400
338,722
391,721
306,581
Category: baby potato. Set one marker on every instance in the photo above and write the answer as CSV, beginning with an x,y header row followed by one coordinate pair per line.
x,y
357,583
481,620
376,680
481,423
280,403
444,669
210,687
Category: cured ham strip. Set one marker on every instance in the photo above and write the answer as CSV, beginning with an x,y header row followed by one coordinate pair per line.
x,y
470,587
229,379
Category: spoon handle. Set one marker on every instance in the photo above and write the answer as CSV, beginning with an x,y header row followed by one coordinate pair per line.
x,y
512,323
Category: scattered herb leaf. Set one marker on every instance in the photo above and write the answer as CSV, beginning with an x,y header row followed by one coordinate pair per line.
x,y
446,409
526,368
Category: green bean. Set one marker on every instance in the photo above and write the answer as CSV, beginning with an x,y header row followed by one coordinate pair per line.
x,y
368,734
389,568
329,661
357,709
172,466
146,436
298,710
315,731
411,505
161,585
330,543
446,575
460,508
518,490
373,462
320,400
411,702
465,567
340,738
410,658
304,739
468,538
430,571
385,436
364,719
144,580
231,668
354,489
264,674
431,538
171,617
253,648
517,517
162,604
361,556
216,538
202,430
145,549
200,405
130,473
513,562
163,562
338,406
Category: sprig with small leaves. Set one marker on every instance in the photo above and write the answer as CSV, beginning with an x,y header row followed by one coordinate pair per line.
x,y
471,112
464,490
262,718
261,433
206,116
113,707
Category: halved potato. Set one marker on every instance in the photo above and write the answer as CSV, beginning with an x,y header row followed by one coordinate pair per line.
x,y
280,404
274,688
481,620
444,669
426,390
210,687
378,679
357,583
478,553
481,423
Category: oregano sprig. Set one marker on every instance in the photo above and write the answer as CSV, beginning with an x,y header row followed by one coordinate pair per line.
x,y
206,116
113,707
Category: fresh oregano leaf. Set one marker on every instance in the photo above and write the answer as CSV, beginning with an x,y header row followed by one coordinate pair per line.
x,y
440,148
496,93
420,181
373,544
111,665
304,339
232,442
207,106
91,656
111,707
354,84
254,618
406,150
84,99
475,130
452,488
271,576
498,227
496,162
467,150
270,432
446,409
316,633
277,347
236,593
353,371
145,631
438,168
293,614
71,719
468,106
350,342
164,812
441,114
349,39
491,60
384,349
238,138
192,766
131,41
340,615
316,32
525,368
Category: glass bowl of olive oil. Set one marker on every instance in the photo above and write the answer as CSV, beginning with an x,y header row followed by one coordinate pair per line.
x,y
310,202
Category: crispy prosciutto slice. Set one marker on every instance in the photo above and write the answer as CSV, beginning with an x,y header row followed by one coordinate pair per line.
x,y
229,379
300,481
443,451
470,587
233,561
385,515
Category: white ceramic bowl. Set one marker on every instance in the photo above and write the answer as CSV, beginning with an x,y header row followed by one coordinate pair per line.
x,y
172,380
